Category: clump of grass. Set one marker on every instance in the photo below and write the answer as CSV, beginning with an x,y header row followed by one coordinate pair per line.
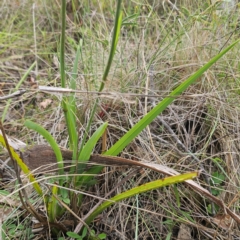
x,y
156,52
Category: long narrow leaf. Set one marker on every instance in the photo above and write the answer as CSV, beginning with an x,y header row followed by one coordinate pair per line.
x,y
62,45
87,150
149,117
141,189
52,205
31,125
116,32
88,147
67,104
75,66
70,107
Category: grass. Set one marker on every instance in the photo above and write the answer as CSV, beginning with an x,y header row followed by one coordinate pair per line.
x,y
158,49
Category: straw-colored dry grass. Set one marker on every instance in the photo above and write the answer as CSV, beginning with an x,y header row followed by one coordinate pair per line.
x,y
158,49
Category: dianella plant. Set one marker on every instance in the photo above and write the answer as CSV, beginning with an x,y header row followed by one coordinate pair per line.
x,y
62,198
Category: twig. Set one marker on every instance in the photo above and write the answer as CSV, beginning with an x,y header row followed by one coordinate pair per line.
x,y
12,95
60,90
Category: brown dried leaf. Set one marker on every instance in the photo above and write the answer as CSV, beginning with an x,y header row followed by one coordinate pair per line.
x,y
223,221
44,104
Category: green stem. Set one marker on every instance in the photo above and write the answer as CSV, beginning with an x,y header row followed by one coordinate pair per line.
x,y
62,44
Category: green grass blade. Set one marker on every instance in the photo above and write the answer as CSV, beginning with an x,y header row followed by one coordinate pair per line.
x,y
68,104
87,150
88,147
127,20
75,66
88,125
141,189
34,126
52,205
149,117
116,32
71,107
62,45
